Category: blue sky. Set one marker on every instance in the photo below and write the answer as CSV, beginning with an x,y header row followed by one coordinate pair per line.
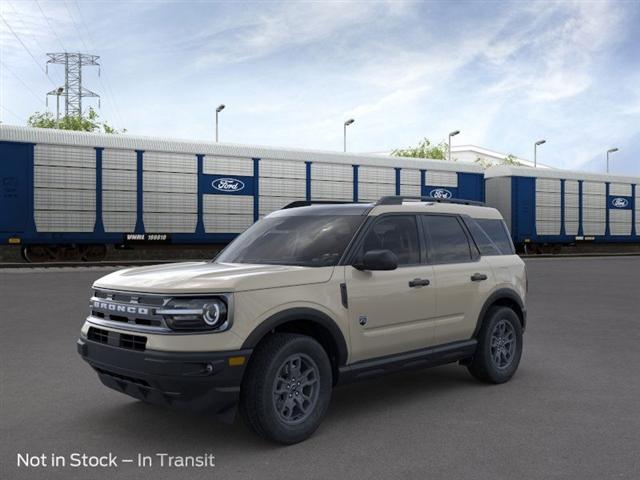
x,y
504,73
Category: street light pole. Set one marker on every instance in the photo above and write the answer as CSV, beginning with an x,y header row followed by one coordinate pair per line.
x,y
58,93
611,150
452,134
535,152
346,124
218,110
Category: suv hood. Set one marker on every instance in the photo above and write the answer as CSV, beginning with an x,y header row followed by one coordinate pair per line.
x,y
205,277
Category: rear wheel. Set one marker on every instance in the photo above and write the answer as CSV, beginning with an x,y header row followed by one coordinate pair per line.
x,y
287,388
499,347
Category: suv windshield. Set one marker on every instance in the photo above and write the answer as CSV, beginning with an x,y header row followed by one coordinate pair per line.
x,y
309,241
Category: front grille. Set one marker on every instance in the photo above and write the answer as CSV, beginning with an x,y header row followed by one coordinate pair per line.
x,y
122,340
128,308
133,342
98,335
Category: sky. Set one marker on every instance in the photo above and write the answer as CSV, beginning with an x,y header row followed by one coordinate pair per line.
x,y
290,73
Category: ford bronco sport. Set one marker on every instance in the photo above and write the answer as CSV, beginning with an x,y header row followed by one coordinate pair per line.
x,y
310,297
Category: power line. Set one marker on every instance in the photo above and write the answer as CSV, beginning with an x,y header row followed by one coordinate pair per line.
x,y
27,49
12,113
73,21
6,67
51,27
26,29
106,85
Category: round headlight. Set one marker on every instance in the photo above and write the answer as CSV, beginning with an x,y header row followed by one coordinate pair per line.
x,y
213,313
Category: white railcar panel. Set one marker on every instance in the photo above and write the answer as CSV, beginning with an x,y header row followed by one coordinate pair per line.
x,y
593,228
594,188
170,202
548,199
64,156
376,175
620,189
331,171
571,186
169,162
64,221
571,228
412,190
219,223
119,159
119,221
436,178
64,199
170,182
283,187
65,177
547,213
594,201
227,166
571,200
620,222
594,214
282,169
121,180
409,176
115,201
548,227
368,192
228,204
547,185
326,190
170,222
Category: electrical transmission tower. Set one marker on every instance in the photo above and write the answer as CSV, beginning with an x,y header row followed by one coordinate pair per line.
x,y
73,91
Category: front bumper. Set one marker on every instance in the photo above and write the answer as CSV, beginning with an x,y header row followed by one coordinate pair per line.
x,y
196,381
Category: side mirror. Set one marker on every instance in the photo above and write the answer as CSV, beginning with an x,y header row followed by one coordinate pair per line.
x,y
378,260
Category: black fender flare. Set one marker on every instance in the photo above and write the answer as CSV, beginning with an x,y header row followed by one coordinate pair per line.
x,y
297,314
502,294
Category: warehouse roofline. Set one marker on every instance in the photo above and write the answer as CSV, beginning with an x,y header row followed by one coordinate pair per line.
x,y
14,133
509,171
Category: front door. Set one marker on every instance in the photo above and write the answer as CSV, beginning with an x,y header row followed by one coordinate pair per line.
x,y
391,311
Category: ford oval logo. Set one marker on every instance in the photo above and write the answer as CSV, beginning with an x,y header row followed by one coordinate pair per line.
x,y
440,193
620,202
228,185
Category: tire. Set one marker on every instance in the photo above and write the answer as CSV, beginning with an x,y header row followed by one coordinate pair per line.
x,y
499,347
273,405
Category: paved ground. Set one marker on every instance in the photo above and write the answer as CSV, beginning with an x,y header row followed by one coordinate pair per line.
x,y
572,411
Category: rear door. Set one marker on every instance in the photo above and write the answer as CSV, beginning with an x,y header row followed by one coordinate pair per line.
x,y
14,191
391,311
462,277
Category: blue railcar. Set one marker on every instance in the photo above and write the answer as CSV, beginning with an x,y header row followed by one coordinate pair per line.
x,y
82,191
548,207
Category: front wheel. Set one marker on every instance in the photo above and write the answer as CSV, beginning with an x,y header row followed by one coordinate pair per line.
x,y
287,388
499,347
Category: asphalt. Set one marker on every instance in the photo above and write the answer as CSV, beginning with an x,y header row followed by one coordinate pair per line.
x,y
571,411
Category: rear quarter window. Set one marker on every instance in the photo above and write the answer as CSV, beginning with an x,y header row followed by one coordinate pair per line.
x,y
491,236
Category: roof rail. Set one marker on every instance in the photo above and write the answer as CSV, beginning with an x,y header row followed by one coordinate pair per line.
x,y
308,203
398,199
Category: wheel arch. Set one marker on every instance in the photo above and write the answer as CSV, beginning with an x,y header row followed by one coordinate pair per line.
x,y
307,321
505,297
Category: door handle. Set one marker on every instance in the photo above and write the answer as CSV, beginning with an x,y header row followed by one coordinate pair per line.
x,y
478,277
419,282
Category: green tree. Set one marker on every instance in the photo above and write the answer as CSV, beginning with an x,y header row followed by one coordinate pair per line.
x,y
424,150
510,160
86,123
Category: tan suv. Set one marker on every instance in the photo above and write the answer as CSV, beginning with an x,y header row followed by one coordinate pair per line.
x,y
310,297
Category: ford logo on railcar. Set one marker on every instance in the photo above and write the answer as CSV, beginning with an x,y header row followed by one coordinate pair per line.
x,y
440,193
228,184
620,202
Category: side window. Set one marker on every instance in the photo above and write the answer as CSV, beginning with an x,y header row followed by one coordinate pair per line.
x,y
485,243
396,233
446,239
497,231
